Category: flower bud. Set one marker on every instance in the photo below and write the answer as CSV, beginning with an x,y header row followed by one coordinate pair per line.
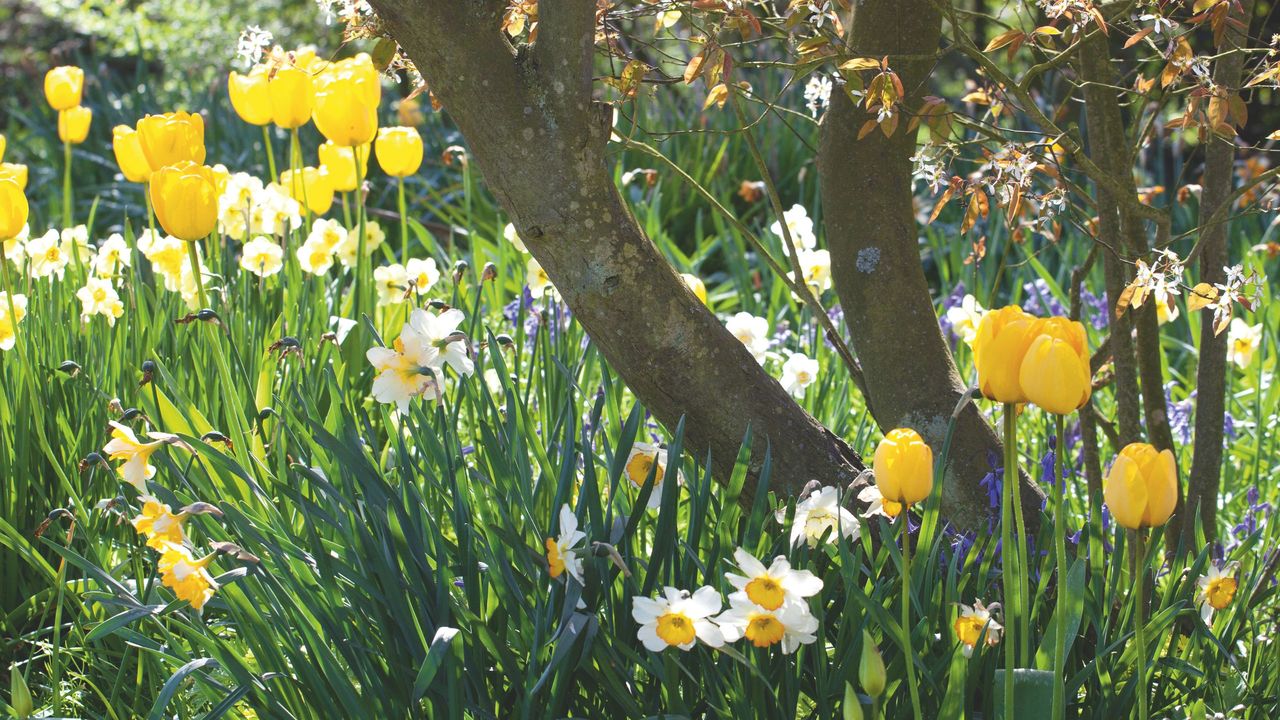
x,y
13,208
73,124
185,199
399,151
250,95
871,673
1055,371
1003,338
129,156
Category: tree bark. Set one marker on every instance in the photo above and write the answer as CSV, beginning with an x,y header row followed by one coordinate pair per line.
x,y
1211,374
540,141
911,376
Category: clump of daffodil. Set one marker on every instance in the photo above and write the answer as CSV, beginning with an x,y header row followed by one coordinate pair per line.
x,y
99,297
770,587
678,619
262,256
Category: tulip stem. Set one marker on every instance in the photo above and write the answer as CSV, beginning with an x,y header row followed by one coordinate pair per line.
x,y
271,154
357,302
1008,556
1139,632
908,655
194,256
404,224
66,185
1060,551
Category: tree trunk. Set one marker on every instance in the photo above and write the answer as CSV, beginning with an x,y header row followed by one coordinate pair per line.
x,y
1211,374
875,261
540,142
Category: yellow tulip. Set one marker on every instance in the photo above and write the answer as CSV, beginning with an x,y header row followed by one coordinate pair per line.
x,y
1003,338
63,87
2,146
292,96
185,198
904,466
399,151
73,124
1141,488
311,187
347,97
15,172
172,138
128,149
13,209
250,96
1055,372
338,161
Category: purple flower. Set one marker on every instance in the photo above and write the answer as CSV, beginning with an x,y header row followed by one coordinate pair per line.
x,y
1039,299
1099,315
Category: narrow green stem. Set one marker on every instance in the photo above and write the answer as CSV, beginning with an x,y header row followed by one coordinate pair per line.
x,y
194,256
404,224
1009,557
1139,632
66,185
271,154
1013,480
909,657
357,303
1060,554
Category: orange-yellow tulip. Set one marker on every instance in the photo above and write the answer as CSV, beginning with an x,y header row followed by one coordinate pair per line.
x,y
311,187
340,163
1055,372
904,466
1003,338
185,198
13,209
250,96
73,124
292,96
172,138
347,97
399,151
63,87
128,149
1141,488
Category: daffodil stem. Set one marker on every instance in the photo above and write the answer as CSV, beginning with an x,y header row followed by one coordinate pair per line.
x,y
1139,632
908,656
66,185
1060,552
271,154
1008,557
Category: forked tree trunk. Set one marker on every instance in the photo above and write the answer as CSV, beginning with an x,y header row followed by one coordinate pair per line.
x,y
540,142
875,260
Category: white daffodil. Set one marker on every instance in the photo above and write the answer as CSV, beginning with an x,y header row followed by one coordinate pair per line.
x,y
113,256
404,373
47,256
798,373
1217,588
563,553
391,282
643,459
262,256
328,234
974,623
439,332
876,504
818,515
98,297
421,274
965,318
752,331
1243,341
816,265
9,322
315,257
791,624
771,587
538,281
677,619
511,236
800,226
124,445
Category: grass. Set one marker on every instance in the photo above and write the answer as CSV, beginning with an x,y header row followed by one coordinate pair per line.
x,y
397,563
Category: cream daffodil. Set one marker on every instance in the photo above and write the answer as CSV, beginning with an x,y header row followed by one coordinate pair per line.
x,y
124,445
965,318
421,274
391,282
538,281
1243,341
752,331
791,624
798,373
262,256
677,619
877,504
820,515
9,322
563,552
403,374
440,333
99,297
771,587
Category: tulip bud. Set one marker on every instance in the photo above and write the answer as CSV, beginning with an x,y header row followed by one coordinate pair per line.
x,y
871,673
1003,338
63,87
1055,372
399,150
1141,488
19,696
904,466
15,172
293,97
851,708
340,163
311,187
250,95
13,209
129,156
73,124
172,138
185,199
